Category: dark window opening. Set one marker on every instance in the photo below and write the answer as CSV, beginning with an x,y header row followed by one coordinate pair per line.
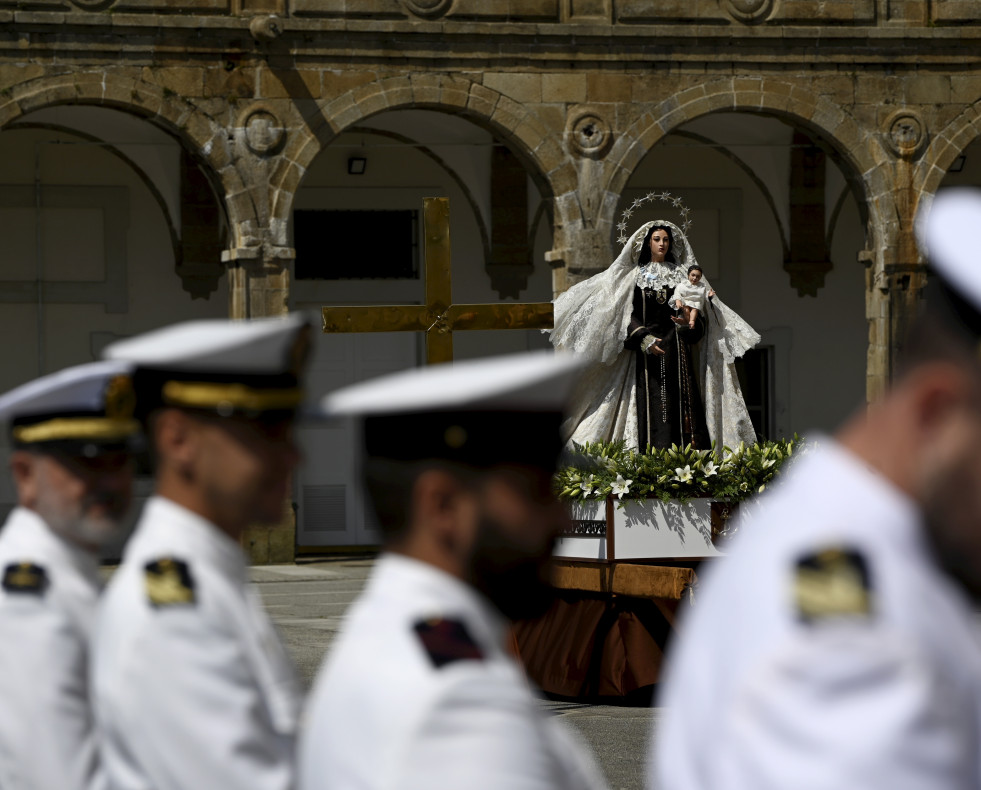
x,y
356,245
755,373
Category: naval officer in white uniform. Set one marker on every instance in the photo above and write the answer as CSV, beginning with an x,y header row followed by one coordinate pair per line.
x,y
419,690
836,646
192,687
72,434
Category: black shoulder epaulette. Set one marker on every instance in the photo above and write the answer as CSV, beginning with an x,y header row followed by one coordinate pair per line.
x,y
833,582
446,641
168,582
25,577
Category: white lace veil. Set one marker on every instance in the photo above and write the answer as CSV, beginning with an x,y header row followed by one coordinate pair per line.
x,y
585,313
591,318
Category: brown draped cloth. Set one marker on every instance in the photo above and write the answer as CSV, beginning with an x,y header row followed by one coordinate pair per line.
x,y
605,635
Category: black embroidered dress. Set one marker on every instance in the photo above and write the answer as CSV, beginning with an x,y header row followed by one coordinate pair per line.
x,y
669,404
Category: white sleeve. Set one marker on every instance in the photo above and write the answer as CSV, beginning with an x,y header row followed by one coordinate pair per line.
x,y
46,726
853,707
188,709
486,732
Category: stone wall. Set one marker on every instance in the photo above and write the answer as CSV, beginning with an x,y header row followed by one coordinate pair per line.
x,y
580,90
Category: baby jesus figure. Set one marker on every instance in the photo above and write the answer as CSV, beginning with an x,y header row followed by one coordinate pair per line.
x,y
690,297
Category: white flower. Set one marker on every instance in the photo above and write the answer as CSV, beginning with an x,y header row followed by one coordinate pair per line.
x,y
621,486
683,475
710,469
587,486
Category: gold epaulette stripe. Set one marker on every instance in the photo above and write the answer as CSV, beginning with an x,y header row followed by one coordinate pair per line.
x,y
206,395
61,428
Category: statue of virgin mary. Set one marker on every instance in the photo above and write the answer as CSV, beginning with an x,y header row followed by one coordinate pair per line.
x,y
644,385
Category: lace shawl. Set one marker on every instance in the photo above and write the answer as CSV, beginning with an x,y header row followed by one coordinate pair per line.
x,y
591,319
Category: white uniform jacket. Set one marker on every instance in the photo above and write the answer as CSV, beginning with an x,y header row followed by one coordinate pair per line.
x,y
418,692
48,599
826,651
192,686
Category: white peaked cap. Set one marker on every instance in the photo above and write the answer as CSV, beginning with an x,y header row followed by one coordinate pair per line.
x,y
534,381
258,346
77,389
949,233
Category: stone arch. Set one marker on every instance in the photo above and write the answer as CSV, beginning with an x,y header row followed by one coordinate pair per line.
x,y
432,156
751,175
531,140
111,150
828,120
200,134
946,146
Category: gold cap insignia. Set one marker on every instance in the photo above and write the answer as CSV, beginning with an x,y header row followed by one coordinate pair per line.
x,y
120,398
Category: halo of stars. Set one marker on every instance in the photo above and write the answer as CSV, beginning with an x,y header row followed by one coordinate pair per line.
x,y
654,197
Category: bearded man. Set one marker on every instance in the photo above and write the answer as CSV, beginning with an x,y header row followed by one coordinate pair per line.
x,y
71,434
419,690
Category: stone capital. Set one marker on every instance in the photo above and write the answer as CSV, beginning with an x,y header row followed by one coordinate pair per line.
x,y
586,252
262,253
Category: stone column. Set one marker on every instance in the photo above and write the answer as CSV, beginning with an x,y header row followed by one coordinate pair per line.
x,y
258,280
258,268
258,286
896,276
584,208
579,253
894,286
877,362
892,301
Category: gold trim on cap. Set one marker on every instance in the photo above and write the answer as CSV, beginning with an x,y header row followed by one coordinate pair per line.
x,y
207,395
60,428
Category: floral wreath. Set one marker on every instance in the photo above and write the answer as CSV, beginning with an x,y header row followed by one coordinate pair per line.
x,y
652,197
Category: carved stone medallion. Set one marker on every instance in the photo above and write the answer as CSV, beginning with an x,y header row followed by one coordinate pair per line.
x,y
264,133
749,11
93,5
427,9
589,134
906,134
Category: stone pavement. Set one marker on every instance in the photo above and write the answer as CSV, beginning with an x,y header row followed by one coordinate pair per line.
x,y
307,602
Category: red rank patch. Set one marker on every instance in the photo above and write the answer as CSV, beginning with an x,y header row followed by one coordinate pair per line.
x,y
446,641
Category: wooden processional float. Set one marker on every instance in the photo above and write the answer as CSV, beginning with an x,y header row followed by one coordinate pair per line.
x,y
620,572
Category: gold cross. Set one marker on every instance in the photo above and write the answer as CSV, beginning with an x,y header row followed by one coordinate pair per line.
x,y
439,317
